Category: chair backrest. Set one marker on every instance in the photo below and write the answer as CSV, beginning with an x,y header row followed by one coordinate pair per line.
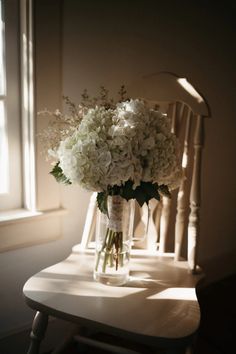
x,y
173,224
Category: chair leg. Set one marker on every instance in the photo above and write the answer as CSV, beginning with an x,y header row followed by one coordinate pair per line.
x,y
189,350
39,327
179,350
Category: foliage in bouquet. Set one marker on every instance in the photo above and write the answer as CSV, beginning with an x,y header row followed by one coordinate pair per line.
x,y
124,148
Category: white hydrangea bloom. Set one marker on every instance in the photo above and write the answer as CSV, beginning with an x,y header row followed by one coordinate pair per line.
x,y
130,142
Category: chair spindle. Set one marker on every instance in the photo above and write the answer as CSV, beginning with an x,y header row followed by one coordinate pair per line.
x,y
166,202
195,195
181,198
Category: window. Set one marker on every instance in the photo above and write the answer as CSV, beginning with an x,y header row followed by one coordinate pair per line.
x,y
17,177
3,137
10,134
21,221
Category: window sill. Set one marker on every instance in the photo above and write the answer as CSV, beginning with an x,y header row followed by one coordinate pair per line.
x,y
23,228
22,215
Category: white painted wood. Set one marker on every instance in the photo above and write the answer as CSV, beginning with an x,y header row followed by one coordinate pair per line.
x,y
180,100
168,87
22,215
164,223
181,199
90,221
27,109
152,234
37,227
173,118
166,202
34,228
141,226
38,331
195,195
158,301
165,89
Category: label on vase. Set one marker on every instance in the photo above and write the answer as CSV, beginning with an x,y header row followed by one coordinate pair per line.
x,y
115,212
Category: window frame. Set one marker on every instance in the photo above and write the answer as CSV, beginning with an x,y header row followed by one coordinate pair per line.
x,y
31,224
27,105
26,115
12,193
4,140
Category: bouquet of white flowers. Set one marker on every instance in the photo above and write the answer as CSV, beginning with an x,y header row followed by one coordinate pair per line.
x,y
124,149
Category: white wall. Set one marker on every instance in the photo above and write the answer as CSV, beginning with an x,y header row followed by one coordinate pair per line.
x,y
111,43
114,42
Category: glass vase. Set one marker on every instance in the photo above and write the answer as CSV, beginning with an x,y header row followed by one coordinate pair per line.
x,y
113,242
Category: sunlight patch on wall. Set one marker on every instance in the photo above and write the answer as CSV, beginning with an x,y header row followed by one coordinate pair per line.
x,y
190,89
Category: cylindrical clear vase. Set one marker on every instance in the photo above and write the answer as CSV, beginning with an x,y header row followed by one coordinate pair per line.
x,y
113,242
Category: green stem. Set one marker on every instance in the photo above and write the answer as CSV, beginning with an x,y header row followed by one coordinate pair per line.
x,y
100,252
108,248
112,248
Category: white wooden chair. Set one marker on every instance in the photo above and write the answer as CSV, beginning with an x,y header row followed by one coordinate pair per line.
x,y
158,309
174,221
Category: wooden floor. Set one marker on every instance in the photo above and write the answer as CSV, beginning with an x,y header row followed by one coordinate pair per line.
x,y
217,332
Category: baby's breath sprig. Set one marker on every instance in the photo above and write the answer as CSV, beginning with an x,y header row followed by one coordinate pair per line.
x,y
122,93
73,109
62,125
104,98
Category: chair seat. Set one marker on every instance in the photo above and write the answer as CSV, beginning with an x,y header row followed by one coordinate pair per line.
x,y
158,303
